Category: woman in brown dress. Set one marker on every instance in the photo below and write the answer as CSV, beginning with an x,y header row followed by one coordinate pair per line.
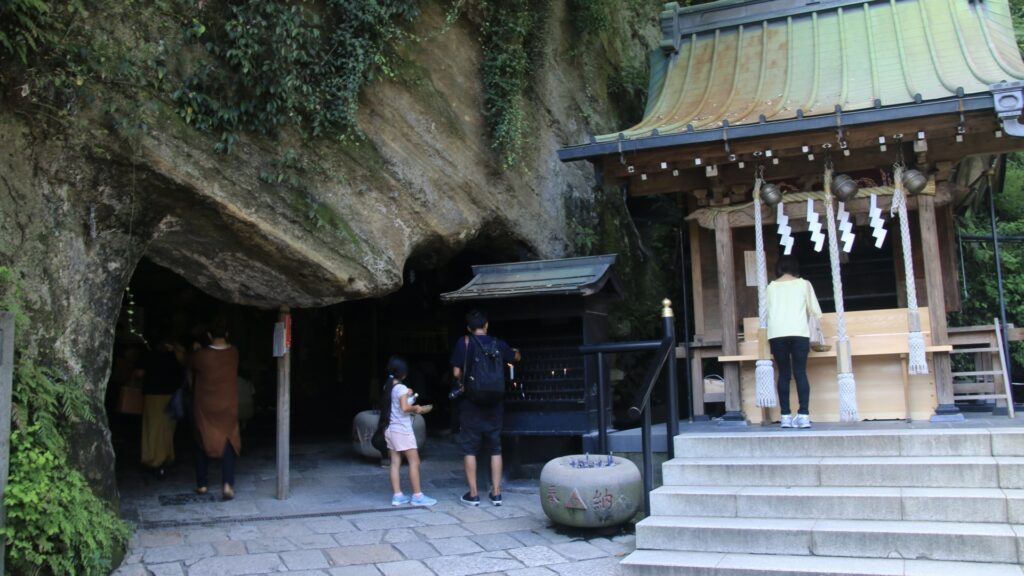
x,y
215,369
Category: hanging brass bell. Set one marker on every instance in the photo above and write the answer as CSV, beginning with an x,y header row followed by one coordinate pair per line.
x,y
914,182
771,194
844,187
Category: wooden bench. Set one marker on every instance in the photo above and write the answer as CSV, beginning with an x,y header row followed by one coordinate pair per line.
x,y
878,345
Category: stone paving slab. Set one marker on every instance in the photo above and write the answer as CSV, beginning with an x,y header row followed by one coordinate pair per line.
x,y
339,522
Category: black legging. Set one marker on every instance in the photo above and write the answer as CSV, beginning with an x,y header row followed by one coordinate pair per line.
x,y
790,353
203,463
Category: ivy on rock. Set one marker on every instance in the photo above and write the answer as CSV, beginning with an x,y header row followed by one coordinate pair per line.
x,y
271,64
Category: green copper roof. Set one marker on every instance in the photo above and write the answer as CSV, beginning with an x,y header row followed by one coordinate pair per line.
x,y
568,276
734,63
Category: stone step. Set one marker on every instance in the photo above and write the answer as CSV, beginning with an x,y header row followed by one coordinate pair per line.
x,y
957,541
898,471
775,442
841,503
675,563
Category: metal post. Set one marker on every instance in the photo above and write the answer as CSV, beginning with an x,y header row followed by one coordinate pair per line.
x,y
283,413
648,473
602,423
6,383
669,323
999,263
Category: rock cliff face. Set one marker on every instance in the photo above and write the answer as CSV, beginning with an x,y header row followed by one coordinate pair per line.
x,y
79,208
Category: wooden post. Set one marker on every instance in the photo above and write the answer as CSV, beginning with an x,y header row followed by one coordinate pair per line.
x,y
695,359
283,413
727,306
6,383
941,368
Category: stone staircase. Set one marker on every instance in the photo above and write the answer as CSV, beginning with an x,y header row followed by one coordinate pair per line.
x,y
925,502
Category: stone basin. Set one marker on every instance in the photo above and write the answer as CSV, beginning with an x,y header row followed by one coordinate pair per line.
x,y
596,491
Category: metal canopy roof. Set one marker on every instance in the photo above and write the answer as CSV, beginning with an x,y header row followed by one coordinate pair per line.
x,y
732,67
568,276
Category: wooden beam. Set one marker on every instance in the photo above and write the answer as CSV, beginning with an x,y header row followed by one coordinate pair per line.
x,y
283,414
697,278
932,258
648,178
697,281
727,305
979,126
942,154
950,268
797,211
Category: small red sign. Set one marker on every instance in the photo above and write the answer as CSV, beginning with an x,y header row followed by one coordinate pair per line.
x,y
288,333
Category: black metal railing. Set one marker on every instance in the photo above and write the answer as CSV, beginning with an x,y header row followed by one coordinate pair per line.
x,y
664,354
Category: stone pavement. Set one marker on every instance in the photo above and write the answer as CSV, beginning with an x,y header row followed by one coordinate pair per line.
x,y
338,521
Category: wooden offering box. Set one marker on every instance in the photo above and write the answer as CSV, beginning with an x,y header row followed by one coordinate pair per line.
x,y
878,344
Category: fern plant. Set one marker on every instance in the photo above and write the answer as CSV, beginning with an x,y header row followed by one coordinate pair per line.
x,y
55,524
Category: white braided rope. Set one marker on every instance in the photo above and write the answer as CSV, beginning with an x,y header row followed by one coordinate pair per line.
x,y
918,362
847,398
847,385
762,268
764,372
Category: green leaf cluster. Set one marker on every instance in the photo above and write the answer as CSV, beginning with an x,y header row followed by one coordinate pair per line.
x,y
270,64
513,39
591,17
28,25
980,291
54,524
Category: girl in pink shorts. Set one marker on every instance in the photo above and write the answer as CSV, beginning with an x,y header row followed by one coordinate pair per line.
x,y
399,435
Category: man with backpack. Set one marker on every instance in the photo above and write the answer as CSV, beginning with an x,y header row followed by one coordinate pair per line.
x,y
478,364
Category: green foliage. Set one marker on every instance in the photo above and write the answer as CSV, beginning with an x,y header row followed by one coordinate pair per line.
x,y
512,34
590,16
646,242
9,296
584,239
24,26
272,64
55,524
1017,12
627,90
28,26
981,300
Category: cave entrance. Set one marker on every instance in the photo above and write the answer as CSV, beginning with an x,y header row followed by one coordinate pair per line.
x,y
159,304
338,354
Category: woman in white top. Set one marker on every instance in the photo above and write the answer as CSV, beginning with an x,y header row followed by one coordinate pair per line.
x,y
790,300
399,434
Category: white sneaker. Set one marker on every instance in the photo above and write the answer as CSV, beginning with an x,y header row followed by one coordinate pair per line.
x,y
787,421
802,421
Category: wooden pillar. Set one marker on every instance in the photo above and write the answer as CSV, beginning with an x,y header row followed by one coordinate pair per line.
x,y
695,360
6,383
283,411
727,307
946,410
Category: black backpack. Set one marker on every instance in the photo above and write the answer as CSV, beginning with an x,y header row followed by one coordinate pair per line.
x,y
485,384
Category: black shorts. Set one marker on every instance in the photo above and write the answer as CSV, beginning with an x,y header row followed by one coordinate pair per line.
x,y
479,426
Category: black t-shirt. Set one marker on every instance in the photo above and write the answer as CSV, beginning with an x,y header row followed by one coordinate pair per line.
x,y
458,360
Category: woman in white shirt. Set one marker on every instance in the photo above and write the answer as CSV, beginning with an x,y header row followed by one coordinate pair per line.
x,y
790,300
